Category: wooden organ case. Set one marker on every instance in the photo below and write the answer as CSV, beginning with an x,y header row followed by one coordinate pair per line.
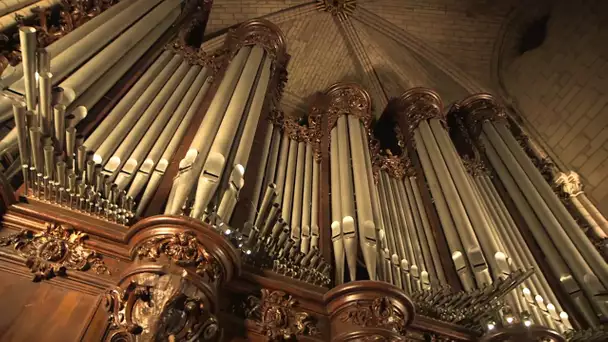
x,y
184,205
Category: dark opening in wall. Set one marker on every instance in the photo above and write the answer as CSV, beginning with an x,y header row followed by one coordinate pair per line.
x,y
533,35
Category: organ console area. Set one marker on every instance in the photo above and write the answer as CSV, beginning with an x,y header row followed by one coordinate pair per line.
x,y
155,191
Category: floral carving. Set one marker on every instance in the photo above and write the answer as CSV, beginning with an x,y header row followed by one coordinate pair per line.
x,y
380,313
278,318
196,56
184,250
54,251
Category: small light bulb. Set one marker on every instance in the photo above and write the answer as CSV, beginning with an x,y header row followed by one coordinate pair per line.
x,y
527,323
509,319
248,251
227,231
491,325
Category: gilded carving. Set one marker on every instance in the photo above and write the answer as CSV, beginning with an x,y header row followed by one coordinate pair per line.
x,y
184,250
380,313
419,104
262,33
474,166
275,312
483,107
348,99
196,56
54,251
158,308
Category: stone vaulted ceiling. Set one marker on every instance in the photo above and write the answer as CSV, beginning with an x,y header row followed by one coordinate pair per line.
x,y
387,46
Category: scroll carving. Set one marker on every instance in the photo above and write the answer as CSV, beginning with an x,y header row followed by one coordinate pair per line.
x,y
196,56
380,313
275,313
54,251
184,250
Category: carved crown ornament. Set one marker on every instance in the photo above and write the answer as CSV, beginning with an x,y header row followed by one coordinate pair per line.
x,y
262,33
276,314
306,129
370,311
416,105
348,99
380,313
184,250
480,108
55,251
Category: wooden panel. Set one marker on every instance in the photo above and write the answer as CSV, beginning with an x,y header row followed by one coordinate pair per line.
x,y
41,312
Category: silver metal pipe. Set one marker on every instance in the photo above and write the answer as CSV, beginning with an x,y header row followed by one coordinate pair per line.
x,y
59,123
140,141
260,176
314,213
347,203
281,169
27,37
306,199
49,161
269,197
215,162
76,83
139,93
461,263
390,235
465,228
191,165
289,179
161,164
555,261
430,238
566,231
365,215
110,136
138,130
336,212
36,145
19,109
298,190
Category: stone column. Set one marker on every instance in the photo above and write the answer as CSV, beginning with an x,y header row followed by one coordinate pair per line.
x,y
368,311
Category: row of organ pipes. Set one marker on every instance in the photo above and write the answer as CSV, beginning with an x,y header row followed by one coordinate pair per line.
x,y
378,202
384,203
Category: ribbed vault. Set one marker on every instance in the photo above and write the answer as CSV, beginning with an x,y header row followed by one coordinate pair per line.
x,y
385,45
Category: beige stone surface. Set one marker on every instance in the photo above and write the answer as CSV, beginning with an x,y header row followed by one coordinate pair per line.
x,y
562,89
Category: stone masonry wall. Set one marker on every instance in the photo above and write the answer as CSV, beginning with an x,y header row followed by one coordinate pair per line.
x,y
562,89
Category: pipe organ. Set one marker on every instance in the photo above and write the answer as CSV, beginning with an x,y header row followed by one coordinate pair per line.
x,y
165,187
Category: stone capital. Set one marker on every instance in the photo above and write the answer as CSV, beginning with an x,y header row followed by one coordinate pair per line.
x,y
569,182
